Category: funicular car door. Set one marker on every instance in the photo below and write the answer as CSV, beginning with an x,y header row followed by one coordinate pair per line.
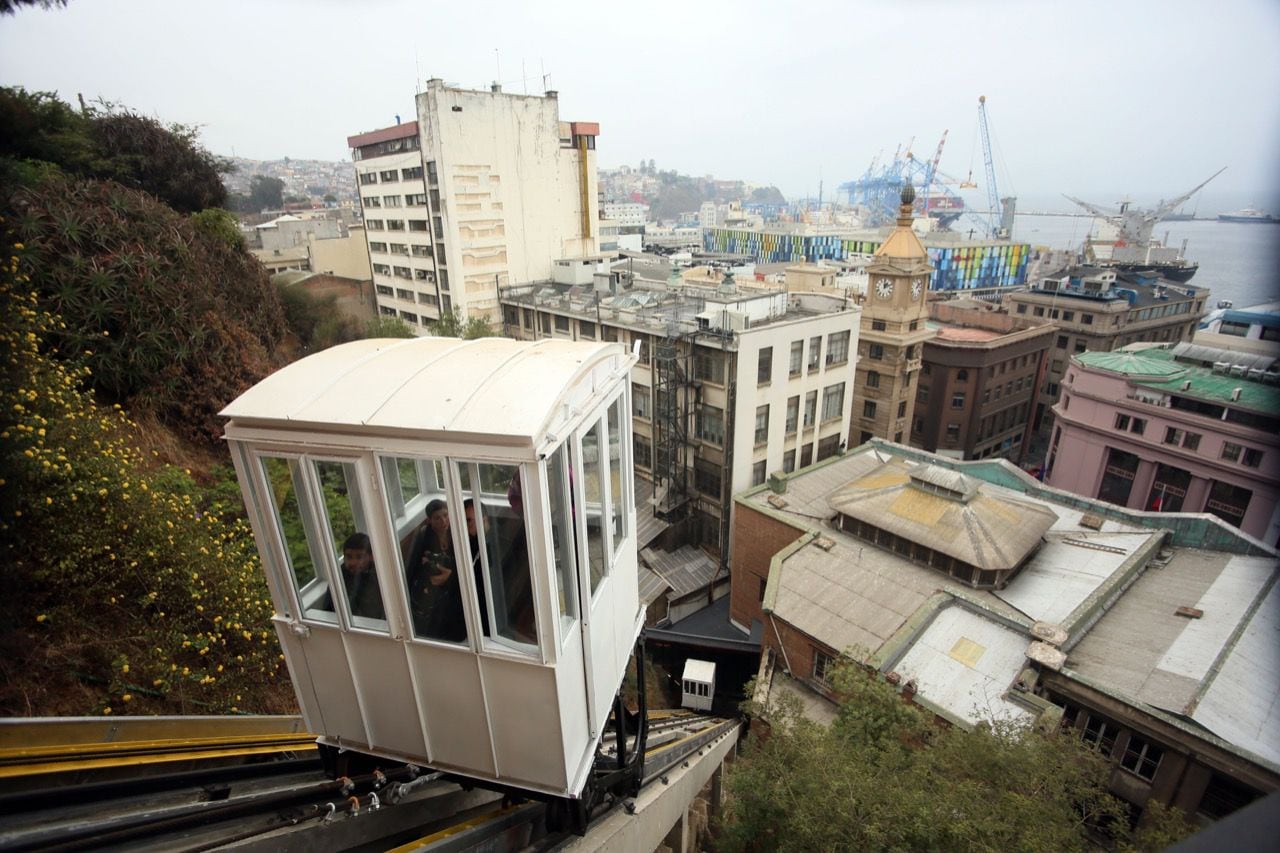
x,y
332,605
597,491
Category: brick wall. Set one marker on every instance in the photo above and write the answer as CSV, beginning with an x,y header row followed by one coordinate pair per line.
x,y
756,538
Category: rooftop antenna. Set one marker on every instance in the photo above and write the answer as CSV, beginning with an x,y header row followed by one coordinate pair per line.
x,y
498,62
417,72
524,77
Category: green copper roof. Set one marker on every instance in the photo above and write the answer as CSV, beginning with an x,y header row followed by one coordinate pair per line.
x,y
1131,363
1156,369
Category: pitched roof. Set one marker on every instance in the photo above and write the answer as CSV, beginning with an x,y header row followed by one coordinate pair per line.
x,y
947,512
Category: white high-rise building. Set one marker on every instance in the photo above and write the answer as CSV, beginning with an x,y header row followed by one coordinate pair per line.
x,y
485,188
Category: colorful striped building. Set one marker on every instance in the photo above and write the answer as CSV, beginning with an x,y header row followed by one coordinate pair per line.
x,y
966,265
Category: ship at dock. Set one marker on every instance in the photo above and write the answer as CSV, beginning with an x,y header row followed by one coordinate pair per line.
x,y
1248,214
1122,239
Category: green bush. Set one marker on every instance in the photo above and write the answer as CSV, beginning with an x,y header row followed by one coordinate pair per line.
x,y
128,587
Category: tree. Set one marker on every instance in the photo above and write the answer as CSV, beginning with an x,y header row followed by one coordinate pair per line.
x,y
110,142
170,312
9,7
451,325
266,193
885,776
388,327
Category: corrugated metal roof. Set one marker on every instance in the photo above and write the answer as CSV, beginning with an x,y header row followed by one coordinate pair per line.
x,y
1242,704
487,387
651,586
685,570
1062,576
965,664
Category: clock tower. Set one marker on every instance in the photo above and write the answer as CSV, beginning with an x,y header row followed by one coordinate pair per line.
x,y
892,334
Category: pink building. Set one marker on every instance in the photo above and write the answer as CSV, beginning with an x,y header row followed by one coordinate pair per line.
x,y
1147,431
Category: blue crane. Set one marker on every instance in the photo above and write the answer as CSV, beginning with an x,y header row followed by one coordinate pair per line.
x,y
1000,211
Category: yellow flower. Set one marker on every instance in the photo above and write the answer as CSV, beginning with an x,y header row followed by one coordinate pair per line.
x,y
41,618
128,697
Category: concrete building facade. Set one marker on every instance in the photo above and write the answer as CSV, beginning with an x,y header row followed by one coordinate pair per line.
x,y
892,335
1148,431
733,383
1096,311
979,380
484,189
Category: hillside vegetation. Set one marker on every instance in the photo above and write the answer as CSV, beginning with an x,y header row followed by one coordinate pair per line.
x,y
126,297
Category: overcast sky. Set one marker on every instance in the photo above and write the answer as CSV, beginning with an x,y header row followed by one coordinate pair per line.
x,y
1095,99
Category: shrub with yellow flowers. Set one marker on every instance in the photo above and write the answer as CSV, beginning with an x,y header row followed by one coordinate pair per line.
x,y
126,591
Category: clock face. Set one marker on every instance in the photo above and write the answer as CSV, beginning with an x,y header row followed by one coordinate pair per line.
x,y
884,288
916,287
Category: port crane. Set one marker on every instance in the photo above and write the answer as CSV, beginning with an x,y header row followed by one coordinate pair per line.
x,y
1134,225
1004,208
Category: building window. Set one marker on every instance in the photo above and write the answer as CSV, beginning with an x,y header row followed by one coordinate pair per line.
x,y
562,324
797,358
377,247
1251,458
1141,758
544,322
1087,319
873,379
383,290
1022,308
706,477
877,325
411,174
1139,426
1068,316
711,424
1231,452
1039,312
764,365
962,375
1100,735
838,347
395,224
587,330
957,400
1080,346
758,473
823,666
391,201
389,176
913,325
810,408
815,353
788,462
641,402
371,201
953,433
367,178
708,365
902,410
869,409
793,414
833,402
643,451
762,424
875,351
922,394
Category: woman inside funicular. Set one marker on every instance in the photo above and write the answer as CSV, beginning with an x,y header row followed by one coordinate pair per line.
x,y
432,577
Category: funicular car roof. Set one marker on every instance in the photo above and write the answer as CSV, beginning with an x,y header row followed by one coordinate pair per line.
x,y
505,389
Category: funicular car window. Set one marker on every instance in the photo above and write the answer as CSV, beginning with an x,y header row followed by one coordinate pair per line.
x,y
593,504
499,553
562,535
346,536
617,518
290,504
420,510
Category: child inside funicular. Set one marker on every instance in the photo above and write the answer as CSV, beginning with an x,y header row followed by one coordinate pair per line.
x,y
359,578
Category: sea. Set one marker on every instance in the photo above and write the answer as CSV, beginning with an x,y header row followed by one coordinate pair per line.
x,y
1239,262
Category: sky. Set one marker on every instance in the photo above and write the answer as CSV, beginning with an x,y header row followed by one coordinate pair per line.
x,y
1101,100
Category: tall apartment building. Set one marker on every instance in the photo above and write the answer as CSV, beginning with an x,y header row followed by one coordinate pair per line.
x,y
484,189
733,383
1154,430
978,381
1096,311
893,333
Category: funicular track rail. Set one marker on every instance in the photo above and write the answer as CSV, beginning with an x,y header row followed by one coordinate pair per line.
x,y
257,784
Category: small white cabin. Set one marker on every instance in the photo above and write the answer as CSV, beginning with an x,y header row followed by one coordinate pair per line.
x,y
490,638
699,683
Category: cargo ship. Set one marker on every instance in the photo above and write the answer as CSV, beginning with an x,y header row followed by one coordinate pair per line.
x,y
1122,239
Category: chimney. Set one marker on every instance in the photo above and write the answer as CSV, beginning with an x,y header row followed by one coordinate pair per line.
x,y
495,87
553,94
1235,394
